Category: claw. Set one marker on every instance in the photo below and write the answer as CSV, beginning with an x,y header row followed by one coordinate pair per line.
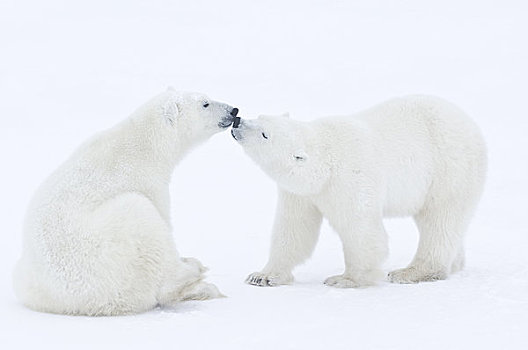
x,y
264,279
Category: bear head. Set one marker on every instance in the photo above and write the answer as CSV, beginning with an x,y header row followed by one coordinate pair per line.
x,y
289,151
185,117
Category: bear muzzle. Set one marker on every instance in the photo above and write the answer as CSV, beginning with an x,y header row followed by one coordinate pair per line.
x,y
230,119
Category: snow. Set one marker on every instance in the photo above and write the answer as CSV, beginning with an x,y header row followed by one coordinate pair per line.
x,y
70,69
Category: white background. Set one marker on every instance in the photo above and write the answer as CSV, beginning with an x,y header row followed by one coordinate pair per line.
x,y
69,69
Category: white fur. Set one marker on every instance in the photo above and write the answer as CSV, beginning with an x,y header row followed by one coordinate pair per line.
x,y
97,235
415,156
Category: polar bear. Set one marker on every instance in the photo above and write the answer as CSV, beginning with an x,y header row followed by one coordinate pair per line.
x,y
414,156
97,234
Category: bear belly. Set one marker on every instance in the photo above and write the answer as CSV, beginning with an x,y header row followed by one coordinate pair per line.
x,y
407,186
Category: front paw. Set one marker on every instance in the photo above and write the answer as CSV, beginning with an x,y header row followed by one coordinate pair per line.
x,y
268,279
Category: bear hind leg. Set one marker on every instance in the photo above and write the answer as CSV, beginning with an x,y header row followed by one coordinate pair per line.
x,y
440,248
184,281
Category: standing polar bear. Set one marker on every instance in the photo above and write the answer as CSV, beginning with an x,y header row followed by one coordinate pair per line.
x,y
97,235
415,156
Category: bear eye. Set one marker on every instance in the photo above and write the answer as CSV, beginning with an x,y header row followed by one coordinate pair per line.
x,y
206,104
264,135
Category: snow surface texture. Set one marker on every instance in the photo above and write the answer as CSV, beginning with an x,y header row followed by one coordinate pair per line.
x,y
69,70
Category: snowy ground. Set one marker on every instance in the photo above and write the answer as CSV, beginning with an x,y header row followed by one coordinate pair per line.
x,y
67,71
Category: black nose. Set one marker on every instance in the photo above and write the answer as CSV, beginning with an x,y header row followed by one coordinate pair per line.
x,y
234,112
236,122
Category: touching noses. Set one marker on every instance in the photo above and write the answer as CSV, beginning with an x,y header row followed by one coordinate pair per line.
x,y
236,120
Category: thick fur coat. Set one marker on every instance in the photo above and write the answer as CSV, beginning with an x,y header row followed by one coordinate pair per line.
x,y
416,156
97,235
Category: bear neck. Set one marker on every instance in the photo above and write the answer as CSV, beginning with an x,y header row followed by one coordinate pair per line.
x,y
143,146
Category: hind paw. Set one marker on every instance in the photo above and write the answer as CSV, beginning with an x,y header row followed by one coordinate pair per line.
x,y
414,275
195,263
201,291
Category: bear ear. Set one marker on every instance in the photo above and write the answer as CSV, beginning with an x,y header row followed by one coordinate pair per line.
x,y
300,156
170,110
285,115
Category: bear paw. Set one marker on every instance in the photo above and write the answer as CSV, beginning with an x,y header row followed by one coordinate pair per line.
x,y
268,280
341,281
195,263
414,275
201,291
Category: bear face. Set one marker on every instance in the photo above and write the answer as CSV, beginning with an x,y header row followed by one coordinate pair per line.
x,y
287,150
198,110
187,117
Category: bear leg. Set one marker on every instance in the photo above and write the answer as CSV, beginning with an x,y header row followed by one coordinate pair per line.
x,y
440,249
295,233
365,248
183,280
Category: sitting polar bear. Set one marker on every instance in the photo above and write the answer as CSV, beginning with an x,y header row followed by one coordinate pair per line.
x,y
416,155
97,236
